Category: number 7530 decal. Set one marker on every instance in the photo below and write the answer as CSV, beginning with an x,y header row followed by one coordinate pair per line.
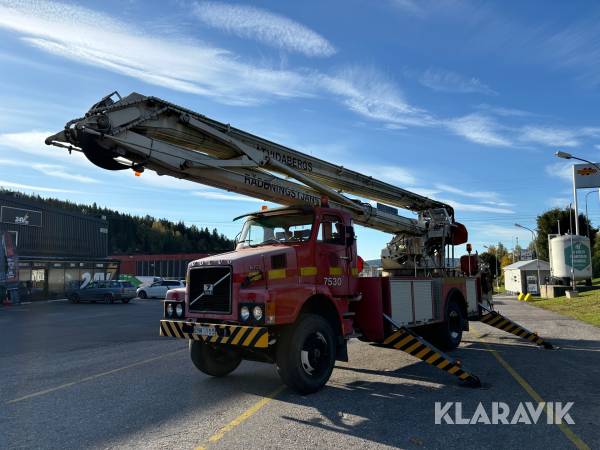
x,y
333,281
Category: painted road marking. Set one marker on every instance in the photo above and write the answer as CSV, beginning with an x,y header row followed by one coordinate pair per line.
x,y
92,377
242,418
576,440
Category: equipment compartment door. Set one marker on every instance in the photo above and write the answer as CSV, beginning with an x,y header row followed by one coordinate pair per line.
x,y
332,255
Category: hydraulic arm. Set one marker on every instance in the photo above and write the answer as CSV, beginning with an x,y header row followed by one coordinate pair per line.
x,y
139,133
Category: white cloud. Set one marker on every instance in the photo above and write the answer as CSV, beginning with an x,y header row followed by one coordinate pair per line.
x,y
409,6
264,26
28,187
446,81
85,36
396,175
59,172
561,169
479,129
211,195
371,94
89,37
505,112
487,196
31,143
497,233
50,170
559,202
425,192
468,207
550,136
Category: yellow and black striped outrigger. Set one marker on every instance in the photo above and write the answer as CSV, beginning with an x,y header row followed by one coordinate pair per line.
x,y
243,336
495,319
407,341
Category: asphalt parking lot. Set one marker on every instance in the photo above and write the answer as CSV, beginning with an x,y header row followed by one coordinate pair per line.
x,y
98,376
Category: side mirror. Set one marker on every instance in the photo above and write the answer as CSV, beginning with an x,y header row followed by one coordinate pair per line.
x,y
350,237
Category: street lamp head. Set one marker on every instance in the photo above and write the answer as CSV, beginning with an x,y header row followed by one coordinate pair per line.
x,y
563,155
519,226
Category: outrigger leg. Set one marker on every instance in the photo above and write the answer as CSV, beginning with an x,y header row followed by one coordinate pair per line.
x,y
404,339
495,319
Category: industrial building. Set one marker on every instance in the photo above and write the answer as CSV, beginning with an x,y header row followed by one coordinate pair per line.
x,y
51,249
522,276
164,265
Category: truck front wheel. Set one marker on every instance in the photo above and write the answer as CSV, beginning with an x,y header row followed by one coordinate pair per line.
x,y
306,354
216,361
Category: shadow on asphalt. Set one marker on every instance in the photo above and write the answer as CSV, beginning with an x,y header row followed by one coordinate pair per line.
x,y
374,409
389,407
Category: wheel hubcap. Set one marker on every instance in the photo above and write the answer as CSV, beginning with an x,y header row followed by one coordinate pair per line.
x,y
454,324
315,354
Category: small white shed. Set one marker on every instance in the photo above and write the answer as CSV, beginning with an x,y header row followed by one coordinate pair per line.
x,y
522,276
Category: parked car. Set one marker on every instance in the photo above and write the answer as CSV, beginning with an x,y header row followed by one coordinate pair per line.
x,y
128,290
106,291
158,289
176,294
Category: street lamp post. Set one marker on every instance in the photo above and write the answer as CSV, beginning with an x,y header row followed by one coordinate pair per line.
x,y
587,217
497,273
537,257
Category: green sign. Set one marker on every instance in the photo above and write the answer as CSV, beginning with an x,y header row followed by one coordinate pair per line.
x,y
581,256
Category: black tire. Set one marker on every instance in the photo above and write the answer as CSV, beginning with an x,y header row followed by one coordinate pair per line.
x,y
216,361
143,295
448,335
74,298
108,299
125,300
306,354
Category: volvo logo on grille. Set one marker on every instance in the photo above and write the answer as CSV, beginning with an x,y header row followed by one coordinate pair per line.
x,y
208,289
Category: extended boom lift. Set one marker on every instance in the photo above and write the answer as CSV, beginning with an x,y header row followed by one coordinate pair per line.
x,y
293,296
151,133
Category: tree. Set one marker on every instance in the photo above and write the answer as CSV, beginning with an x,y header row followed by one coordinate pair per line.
x,y
547,223
489,259
505,261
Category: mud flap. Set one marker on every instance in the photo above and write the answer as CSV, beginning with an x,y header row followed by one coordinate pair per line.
x,y
407,341
497,320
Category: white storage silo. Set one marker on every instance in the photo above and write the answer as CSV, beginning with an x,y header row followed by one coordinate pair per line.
x,y
570,251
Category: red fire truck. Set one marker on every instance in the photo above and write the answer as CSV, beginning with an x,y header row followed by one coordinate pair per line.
x,y
291,292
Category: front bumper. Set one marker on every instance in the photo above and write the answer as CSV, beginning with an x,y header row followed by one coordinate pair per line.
x,y
238,335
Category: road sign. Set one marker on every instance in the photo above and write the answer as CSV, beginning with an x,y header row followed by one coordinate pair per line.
x,y
586,176
526,255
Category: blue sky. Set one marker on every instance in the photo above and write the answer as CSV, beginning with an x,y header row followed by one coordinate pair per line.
x,y
462,101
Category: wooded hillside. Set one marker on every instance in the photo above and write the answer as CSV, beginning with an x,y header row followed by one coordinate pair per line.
x,y
135,234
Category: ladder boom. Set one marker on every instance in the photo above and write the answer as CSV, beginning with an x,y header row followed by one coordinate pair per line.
x,y
140,133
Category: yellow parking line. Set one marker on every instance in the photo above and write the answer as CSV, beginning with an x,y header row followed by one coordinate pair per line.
x,y
92,377
242,417
576,440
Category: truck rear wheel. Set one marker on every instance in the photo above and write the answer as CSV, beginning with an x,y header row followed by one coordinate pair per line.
x,y
449,334
216,361
306,354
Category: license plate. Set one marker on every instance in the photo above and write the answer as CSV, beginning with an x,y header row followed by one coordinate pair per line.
x,y
205,331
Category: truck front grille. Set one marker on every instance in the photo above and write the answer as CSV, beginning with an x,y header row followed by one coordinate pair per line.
x,y
210,289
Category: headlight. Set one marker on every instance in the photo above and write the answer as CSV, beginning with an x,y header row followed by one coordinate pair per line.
x,y
169,309
179,310
244,313
257,312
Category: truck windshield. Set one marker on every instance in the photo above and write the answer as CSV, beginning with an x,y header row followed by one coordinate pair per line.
x,y
290,228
